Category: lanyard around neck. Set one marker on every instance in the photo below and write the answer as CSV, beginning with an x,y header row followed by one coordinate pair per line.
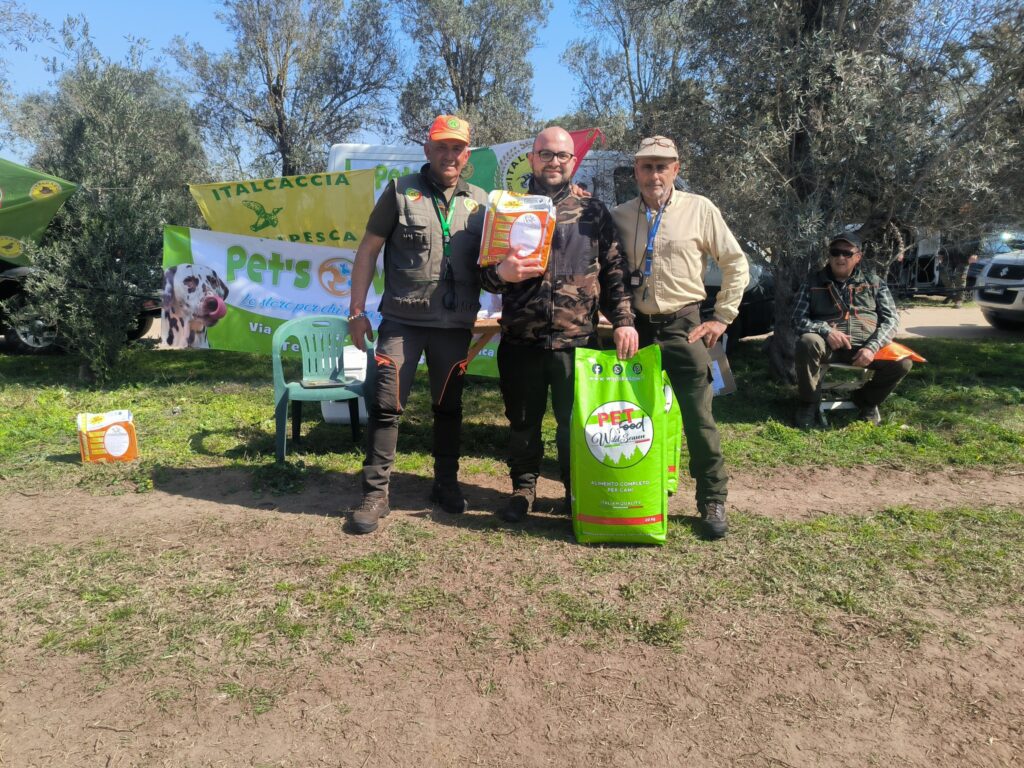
x,y
652,233
446,224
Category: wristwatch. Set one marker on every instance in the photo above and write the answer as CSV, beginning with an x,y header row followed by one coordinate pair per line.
x,y
356,316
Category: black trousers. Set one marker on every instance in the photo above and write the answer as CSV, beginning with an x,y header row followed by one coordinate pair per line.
x,y
398,351
526,374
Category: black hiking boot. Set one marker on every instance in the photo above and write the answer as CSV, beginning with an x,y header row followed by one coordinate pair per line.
x,y
870,414
806,416
518,505
448,495
712,514
566,508
373,507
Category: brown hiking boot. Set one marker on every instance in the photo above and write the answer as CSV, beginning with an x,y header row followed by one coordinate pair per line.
x,y
373,507
448,495
518,505
712,513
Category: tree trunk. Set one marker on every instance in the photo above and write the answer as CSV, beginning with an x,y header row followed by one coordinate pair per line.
x,y
782,345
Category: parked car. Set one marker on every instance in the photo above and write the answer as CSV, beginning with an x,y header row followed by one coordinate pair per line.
x,y
990,247
25,332
757,308
999,291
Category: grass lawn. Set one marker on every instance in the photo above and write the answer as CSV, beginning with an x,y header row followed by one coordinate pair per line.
x,y
213,409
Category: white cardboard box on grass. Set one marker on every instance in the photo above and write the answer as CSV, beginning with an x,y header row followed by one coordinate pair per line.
x,y
336,411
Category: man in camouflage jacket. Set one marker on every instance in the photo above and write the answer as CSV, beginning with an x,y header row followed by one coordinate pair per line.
x,y
547,313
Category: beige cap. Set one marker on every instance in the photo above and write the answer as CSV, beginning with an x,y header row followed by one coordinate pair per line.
x,y
658,146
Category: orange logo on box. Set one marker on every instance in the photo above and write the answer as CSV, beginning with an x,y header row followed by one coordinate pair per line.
x,y
107,436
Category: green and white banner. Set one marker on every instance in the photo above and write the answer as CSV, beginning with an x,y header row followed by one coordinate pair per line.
x,y
506,166
228,291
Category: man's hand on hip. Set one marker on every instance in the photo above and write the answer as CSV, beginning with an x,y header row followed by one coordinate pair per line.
x,y
863,358
515,268
627,342
711,332
838,340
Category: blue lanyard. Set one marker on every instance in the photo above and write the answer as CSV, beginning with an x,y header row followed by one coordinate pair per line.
x,y
652,232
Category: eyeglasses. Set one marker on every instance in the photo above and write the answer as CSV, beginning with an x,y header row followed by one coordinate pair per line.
x,y
836,253
659,141
547,156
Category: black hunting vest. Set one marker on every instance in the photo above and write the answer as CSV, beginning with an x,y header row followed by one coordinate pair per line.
x,y
419,287
851,307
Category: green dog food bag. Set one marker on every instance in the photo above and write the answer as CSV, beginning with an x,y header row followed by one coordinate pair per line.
x,y
618,447
673,436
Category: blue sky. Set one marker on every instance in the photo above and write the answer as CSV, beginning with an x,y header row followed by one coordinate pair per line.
x,y
111,22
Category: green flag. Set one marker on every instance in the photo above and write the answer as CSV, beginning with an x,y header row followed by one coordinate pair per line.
x,y
28,201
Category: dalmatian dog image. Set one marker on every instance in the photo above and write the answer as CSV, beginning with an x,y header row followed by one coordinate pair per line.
x,y
193,300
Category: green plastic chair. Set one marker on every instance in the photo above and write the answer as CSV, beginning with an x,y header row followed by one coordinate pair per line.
x,y
322,343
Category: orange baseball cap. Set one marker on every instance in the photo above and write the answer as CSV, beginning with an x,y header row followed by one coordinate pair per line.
x,y
449,127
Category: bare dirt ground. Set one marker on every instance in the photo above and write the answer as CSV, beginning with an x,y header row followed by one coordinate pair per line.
x,y
747,690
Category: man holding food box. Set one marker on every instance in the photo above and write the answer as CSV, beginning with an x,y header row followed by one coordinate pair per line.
x,y
667,236
429,224
550,305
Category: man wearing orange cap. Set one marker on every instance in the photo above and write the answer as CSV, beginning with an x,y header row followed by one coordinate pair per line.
x,y
429,224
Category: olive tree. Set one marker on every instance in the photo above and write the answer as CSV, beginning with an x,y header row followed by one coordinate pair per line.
x,y
800,117
125,134
300,76
470,60
18,29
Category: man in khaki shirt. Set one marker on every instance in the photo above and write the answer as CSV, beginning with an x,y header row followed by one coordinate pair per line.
x,y
667,235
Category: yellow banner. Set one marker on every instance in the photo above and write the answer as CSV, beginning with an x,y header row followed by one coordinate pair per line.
x,y
314,208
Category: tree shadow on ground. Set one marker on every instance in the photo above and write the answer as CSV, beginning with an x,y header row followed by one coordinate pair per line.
x,y
320,437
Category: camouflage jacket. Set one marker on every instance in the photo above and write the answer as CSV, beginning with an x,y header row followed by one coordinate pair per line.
x,y
586,271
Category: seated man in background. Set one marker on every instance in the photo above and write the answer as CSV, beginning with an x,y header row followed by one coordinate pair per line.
x,y
843,315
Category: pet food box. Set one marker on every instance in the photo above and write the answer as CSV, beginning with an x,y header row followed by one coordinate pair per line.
x,y
723,382
517,222
107,436
336,411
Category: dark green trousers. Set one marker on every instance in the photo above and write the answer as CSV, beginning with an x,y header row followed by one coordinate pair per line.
x,y
689,369
813,353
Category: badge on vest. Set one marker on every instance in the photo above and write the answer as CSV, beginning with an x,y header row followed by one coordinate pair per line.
x,y
413,194
470,203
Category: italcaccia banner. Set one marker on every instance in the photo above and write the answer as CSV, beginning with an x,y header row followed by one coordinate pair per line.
x,y
313,209
229,291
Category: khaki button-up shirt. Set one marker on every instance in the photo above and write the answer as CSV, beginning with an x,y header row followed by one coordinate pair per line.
x,y
691,229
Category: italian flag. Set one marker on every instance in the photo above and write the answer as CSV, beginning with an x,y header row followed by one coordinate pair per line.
x,y
505,166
